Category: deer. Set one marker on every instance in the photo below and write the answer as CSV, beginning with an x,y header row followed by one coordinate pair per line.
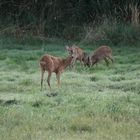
x,y
76,52
101,53
54,64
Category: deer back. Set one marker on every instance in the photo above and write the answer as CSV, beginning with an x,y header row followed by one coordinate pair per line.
x,y
49,62
103,51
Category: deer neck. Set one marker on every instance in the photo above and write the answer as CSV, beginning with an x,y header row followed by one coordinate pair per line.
x,y
67,61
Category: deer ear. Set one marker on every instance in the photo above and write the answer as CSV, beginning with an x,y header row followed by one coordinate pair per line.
x,y
67,47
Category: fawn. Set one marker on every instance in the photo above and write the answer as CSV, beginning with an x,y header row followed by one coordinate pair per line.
x,y
76,52
53,64
103,52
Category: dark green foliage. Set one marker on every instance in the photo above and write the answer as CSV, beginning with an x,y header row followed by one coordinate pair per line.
x,y
67,19
123,34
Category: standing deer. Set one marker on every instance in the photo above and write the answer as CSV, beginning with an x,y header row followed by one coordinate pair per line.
x,y
76,52
53,64
103,52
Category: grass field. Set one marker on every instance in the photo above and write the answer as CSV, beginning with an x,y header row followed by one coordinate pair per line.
x,y
101,103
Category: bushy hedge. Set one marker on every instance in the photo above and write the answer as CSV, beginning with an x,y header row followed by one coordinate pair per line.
x,y
90,21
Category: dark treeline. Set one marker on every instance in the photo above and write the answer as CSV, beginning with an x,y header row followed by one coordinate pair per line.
x,y
65,18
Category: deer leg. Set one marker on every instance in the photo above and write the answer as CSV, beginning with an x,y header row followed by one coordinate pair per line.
x,y
58,78
73,62
90,61
111,58
107,63
95,62
81,61
48,79
42,75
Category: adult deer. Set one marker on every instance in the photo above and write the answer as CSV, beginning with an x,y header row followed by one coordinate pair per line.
x,y
53,64
101,53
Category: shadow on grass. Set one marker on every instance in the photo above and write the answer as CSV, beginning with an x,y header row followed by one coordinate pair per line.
x,y
52,94
37,104
9,102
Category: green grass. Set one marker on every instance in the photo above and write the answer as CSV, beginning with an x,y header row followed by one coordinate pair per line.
x,y
101,103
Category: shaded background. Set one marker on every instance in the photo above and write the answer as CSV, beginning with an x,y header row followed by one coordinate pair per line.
x,y
90,21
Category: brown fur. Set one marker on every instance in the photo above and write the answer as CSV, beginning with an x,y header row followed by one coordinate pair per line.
x,y
53,64
101,53
76,52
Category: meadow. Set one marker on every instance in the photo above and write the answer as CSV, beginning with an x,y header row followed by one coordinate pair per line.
x,y
98,103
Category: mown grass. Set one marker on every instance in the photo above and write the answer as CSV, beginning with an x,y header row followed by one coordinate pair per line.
x,y
101,103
